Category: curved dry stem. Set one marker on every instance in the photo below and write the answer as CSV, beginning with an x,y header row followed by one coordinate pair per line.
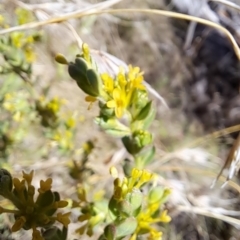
x,y
75,35
112,11
228,3
208,213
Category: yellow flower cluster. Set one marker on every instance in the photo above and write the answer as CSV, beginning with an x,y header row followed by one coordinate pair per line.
x,y
135,181
21,41
90,216
119,92
64,139
48,110
149,209
23,16
17,104
147,218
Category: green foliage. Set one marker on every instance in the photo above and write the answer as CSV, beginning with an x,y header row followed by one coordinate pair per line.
x,y
125,111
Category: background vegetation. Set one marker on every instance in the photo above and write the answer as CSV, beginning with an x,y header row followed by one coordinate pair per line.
x,y
47,126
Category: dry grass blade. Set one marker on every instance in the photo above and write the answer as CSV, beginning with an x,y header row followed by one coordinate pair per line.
x,y
215,134
231,162
208,213
228,3
198,171
112,11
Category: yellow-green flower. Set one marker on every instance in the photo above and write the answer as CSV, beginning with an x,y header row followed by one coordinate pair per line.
x,y
45,185
55,104
23,15
28,177
61,204
64,139
155,235
121,78
63,218
164,217
91,100
86,53
18,116
119,102
19,185
108,83
17,39
135,78
29,54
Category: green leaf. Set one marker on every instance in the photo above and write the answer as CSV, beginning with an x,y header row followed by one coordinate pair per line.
x,y
147,156
145,123
113,127
113,208
126,227
94,80
135,198
143,113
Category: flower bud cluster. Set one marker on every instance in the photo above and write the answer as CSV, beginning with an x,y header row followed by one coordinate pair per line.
x,y
32,212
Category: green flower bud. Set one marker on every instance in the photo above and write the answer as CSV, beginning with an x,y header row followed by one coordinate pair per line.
x,y
6,183
80,78
78,71
125,208
110,232
132,146
61,59
142,138
81,64
126,227
135,143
